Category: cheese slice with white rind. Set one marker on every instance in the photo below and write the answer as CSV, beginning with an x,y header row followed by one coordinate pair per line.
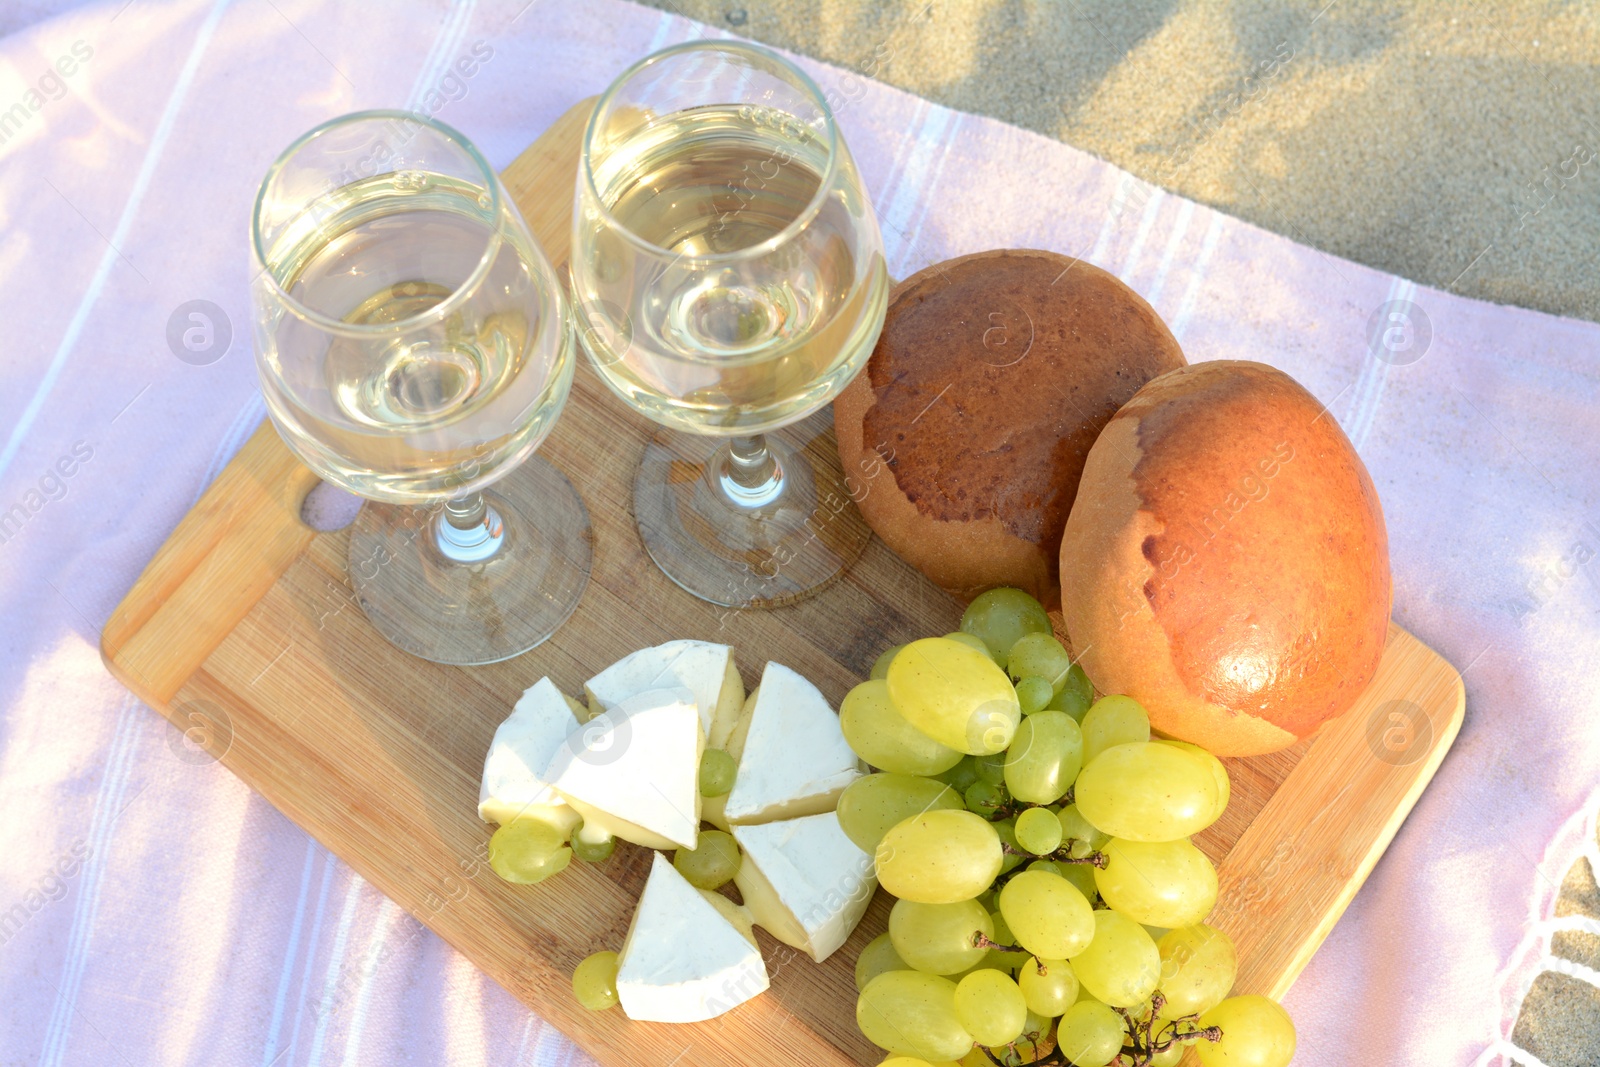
x,y
707,670
633,771
513,783
804,881
795,760
684,961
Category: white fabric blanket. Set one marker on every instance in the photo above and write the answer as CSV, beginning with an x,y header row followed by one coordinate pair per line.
x,y
155,911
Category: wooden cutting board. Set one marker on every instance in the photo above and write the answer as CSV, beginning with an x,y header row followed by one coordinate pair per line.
x,y
244,632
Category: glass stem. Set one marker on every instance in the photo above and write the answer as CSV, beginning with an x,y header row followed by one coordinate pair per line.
x,y
468,530
752,477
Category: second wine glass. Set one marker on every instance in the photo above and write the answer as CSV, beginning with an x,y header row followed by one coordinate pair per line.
x,y
728,282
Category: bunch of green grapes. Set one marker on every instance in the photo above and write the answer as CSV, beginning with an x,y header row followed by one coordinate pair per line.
x,y
1051,903
529,849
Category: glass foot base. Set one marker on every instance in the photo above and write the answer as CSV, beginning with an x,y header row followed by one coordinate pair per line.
x,y
479,612
766,551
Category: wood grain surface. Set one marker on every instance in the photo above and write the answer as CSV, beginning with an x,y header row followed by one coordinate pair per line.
x,y
244,631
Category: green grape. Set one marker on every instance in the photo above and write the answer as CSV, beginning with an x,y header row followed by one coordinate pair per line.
x,y
1006,830
1042,656
913,1014
939,857
907,1061
880,735
594,981
1075,695
1145,791
1256,1032
1036,1041
1198,965
989,1005
1089,1034
962,775
1033,693
954,694
1039,831
981,965
1167,1057
712,863
1121,965
1218,772
880,666
871,805
970,641
1079,834
1001,616
986,898
1157,883
997,959
1044,757
1005,963
1113,720
1048,986
1047,915
591,852
717,771
877,956
991,768
1068,704
526,851
1081,875
984,799
939,938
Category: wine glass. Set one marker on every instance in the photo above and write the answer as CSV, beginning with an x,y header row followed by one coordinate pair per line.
x,y
728,282
414,348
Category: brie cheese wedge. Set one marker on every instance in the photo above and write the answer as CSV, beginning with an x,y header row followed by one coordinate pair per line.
x,y
705,669
794,759
633,771
513,771
684,961
804,881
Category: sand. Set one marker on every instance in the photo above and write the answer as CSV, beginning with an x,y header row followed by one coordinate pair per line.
x,y
1456,146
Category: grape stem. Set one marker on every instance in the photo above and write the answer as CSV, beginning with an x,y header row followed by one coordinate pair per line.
x,y
1012,806
982,940
1064,855
1145,1041
1060,855
1003,811
1210,1033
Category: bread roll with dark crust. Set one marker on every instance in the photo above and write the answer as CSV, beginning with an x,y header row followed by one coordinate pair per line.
x,y
964,437
1225,562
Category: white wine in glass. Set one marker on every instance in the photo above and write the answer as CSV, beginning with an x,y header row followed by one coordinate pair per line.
x,y
729,282
414,348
